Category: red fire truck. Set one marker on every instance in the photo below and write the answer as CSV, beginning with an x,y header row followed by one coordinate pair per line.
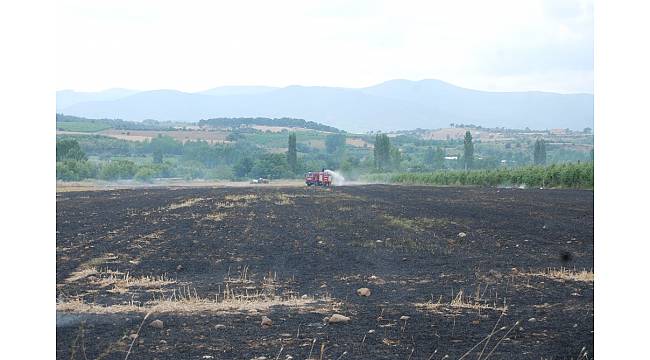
x,y
318,178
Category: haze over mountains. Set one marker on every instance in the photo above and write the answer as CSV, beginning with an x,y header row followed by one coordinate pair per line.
x,y
392,105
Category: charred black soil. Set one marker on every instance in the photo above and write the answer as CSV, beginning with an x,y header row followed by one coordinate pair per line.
x,y
493,272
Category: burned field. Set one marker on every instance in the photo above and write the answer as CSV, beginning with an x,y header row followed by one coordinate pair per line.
x,y
456,272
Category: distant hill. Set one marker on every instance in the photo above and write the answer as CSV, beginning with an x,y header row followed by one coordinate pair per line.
x,y
237,90
534,109
66,98
76,123
392,105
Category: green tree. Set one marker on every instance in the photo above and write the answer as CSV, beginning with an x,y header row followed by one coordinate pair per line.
x,y
539,153
157,156
439,158
118,169
272,166
243,167
166,144
69,149
75,170
429,156
334,143
468,154
395,158
145,174
292,154
382,151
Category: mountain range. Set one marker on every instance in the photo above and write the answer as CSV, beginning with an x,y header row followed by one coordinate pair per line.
x,y
391,105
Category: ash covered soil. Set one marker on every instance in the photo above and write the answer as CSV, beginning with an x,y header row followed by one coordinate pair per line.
x,y
492,273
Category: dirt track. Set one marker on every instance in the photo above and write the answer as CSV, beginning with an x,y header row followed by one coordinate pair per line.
x,y
271,246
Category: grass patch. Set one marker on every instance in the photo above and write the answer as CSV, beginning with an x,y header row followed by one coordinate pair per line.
x,y
283,199
460,302
89,268
190,303
416,224
238,198
215,216
186,203
81,274
566,274
123,282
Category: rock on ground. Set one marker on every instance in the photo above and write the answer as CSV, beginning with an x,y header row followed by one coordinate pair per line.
x,y
157,324
266,322
364,291
338,318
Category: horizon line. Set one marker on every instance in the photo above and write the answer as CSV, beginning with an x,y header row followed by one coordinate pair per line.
x,y
322,86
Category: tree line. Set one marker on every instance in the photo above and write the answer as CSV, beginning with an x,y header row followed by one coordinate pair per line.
x,y
577,175
164,156
284,122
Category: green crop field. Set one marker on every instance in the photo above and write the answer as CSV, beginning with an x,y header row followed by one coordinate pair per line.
x,y
82,126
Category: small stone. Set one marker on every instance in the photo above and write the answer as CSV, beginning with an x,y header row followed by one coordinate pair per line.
x,y
371,331
337,318
163,342
266,322
157,324
476,322
364,291
379,241
304,296
220,326
532,319
575,325
461,234
179,268
404,317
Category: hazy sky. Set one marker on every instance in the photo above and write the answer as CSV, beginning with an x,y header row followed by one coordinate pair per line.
x,y
195,45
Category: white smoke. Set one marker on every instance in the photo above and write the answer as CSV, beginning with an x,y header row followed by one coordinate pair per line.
x,y
337,178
